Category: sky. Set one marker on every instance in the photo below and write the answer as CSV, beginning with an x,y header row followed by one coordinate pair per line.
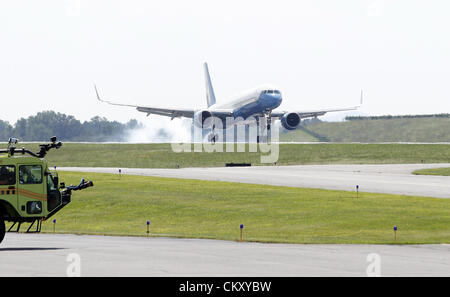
x,y
319,53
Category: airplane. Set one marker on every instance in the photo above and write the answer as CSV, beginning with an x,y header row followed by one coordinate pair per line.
x,y
259,102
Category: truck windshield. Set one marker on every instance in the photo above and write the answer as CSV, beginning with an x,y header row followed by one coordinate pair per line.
x,y
50,183
53,195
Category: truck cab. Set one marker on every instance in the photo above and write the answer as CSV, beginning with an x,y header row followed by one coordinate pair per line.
x,y
29,191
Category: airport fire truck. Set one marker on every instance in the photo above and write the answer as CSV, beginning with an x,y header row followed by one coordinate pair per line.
x,y
29,191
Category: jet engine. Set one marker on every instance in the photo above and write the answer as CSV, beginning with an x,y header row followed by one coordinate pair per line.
x,y
200,119
290,121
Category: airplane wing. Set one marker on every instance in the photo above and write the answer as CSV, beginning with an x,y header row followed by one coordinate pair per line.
x,y
319,112
312,113
168,112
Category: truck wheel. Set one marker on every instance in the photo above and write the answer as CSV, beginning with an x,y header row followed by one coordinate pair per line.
x,y
2,230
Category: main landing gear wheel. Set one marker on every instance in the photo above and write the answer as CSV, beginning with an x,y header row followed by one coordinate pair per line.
x,y
264,134
213,136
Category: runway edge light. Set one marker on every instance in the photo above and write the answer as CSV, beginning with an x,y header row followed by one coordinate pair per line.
x,y
241,227
148,228
395,234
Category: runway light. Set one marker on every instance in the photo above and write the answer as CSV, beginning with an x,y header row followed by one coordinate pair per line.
x,y
395,234
120,173
148,228
357,191
241,227
54,226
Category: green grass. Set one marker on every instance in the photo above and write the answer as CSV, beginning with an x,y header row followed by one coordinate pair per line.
x,y
300,135
382,130
215,210
435,171
162,156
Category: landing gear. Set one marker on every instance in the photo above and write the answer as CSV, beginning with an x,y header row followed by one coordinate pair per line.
x,y
2,230
213,136
263,135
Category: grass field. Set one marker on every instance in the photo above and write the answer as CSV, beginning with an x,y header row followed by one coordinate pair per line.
x,y
383,130
435,171
162,156
215,210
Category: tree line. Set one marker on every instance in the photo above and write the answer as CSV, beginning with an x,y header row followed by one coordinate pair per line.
x,y
43,125
390,117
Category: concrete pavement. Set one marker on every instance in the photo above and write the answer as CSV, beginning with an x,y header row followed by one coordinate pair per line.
x,y
390,179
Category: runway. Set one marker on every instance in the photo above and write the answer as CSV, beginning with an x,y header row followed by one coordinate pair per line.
x,y
51,255
390,179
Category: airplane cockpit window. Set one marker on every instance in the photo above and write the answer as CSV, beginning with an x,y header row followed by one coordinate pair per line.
x,y
271,92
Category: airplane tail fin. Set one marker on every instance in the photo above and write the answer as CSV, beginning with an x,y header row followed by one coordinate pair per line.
x,y
210,97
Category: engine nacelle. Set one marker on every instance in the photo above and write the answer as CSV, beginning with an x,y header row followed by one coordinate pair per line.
x,y
290,121
200,117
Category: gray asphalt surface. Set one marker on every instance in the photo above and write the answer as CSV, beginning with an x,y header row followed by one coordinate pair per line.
x,y
390,179
47,255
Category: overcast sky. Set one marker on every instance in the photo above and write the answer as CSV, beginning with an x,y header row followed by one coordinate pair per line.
x,y
320,53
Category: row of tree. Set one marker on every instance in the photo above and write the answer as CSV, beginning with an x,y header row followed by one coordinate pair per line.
x,y
66,127
390,117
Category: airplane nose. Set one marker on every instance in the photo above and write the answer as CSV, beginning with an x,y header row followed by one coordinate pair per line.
x,y
278,96
278,99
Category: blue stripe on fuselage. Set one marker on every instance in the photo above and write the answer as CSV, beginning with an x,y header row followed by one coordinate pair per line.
x,y
265,102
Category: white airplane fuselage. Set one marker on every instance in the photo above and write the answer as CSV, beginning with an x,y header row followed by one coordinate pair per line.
x,y
258,101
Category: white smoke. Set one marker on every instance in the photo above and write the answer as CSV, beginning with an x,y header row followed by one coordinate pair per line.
x,y
161,130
